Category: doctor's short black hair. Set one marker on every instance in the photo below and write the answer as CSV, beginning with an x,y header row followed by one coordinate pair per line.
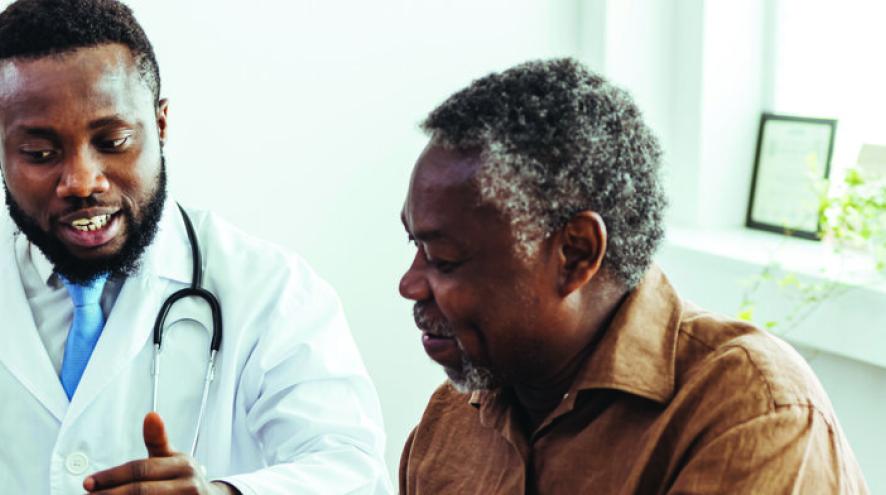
x,y
556,139
32,29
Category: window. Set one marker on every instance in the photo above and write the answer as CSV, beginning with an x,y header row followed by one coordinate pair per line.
x,y
828,63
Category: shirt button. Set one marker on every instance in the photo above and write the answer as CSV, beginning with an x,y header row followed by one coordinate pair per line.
x,y
77,463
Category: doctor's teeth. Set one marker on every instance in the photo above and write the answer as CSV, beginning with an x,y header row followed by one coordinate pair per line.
x,y
100,220
89,224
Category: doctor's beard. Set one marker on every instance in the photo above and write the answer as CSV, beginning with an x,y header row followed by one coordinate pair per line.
x,y
140,234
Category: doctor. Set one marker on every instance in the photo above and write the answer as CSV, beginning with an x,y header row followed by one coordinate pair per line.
x,y
92,248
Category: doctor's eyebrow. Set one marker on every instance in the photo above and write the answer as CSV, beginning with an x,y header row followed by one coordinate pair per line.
x,y
109,121
40,132
48,132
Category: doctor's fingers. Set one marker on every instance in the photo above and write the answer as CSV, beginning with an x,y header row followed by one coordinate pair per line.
x,y
168,487
154,433
154,469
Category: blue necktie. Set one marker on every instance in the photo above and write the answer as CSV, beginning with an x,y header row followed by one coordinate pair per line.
x,y
85,330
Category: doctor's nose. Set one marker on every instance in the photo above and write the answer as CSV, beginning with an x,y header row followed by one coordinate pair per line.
x,y
82,176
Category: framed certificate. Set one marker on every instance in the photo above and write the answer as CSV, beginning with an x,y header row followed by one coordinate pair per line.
x,y
793,154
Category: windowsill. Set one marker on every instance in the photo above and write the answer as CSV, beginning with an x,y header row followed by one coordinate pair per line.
x,y
713,266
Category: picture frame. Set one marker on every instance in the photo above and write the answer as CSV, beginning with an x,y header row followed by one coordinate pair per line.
x,y
792,154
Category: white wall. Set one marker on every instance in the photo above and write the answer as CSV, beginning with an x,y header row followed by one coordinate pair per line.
x,y
298,122
698,70
827,54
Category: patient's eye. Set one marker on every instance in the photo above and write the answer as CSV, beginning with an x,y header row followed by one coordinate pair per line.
x,y
443,266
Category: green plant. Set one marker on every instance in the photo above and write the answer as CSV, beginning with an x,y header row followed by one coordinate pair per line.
x,y
856,216
852,219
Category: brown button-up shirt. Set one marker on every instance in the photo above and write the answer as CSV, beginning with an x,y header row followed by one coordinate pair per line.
x,y
673,400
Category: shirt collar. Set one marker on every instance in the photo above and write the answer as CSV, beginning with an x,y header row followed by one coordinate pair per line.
x,y
169,256
637,352
41,263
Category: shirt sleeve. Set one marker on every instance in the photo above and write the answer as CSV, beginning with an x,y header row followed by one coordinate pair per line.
x,y
793,449
311,403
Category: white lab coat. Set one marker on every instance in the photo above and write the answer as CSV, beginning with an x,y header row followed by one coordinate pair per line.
x,y
291,409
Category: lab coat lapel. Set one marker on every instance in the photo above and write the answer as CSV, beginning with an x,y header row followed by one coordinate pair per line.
x,y
21,351
130,325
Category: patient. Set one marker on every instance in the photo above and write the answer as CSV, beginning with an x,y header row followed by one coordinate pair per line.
x,y
574,366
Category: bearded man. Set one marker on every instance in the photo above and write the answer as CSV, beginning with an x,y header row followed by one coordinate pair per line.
x,y
574,366
91,253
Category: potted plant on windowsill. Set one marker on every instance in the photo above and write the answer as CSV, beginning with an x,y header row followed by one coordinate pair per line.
x,y
852,215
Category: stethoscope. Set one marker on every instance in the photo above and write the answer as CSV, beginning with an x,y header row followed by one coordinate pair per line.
x,y
195,290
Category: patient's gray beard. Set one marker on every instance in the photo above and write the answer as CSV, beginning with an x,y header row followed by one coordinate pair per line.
x,y
470,377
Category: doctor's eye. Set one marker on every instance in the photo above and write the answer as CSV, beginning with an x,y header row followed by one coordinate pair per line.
x,y
38,155
115,143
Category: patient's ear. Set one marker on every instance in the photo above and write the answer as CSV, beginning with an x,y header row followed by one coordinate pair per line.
x,y
582,248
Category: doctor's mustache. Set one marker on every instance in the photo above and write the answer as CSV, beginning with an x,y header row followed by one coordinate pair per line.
x,y
75,204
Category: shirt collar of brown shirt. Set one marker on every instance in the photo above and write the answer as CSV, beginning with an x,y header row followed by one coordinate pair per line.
x,y
636,354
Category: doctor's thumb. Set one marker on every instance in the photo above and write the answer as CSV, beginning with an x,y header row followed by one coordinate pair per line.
x,y
154,432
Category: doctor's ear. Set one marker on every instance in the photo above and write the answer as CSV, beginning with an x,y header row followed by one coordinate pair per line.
x,y
582,249
162,122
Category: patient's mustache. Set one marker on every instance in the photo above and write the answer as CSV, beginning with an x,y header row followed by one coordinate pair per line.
x,y
433,325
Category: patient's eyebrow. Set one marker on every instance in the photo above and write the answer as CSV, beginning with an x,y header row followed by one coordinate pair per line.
x,y
429,235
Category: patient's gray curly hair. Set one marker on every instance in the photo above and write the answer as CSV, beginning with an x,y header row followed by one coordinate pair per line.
x,y
556,139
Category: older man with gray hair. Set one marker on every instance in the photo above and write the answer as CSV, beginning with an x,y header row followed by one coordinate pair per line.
x,y
573,365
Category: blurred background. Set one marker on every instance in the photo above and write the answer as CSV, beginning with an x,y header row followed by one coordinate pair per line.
x,y
297,121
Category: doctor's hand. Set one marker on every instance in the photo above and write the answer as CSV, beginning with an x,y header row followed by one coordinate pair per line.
x,y
163,472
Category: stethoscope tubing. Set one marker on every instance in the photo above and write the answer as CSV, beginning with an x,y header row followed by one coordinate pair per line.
x,y
195,290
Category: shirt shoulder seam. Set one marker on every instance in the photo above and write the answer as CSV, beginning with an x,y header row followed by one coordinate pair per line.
x,y
760,374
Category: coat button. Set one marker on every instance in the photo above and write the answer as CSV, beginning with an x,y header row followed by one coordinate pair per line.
x,y
77,463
